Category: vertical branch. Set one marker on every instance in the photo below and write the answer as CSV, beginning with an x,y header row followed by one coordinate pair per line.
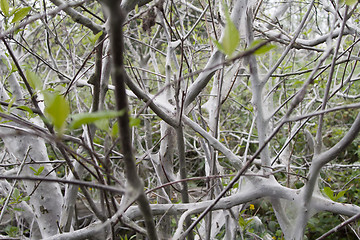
x,y
181,143
257,90
118,77
328,85
183,174
182,162
213,119
95,79
105,75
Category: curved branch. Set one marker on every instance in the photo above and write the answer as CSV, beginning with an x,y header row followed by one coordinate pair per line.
x,y
235,160
79,18
320,203
333,152
216,58
264,188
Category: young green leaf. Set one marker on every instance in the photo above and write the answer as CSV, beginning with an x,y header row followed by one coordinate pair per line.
x,y
4,5
27,198
218,45
115,130
11,102
134,122
13,68
249,221
86,118
94,38
33,80
350,2
328,192
242,222
340,194
57,109
16,194
26,108
136,8
20,14
264,49
38,171
102,124
231,38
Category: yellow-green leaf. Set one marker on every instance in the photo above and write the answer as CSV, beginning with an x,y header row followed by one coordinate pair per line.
x,y
33,80
57,109
115,130
231,38
94,38
11,102
86,118
350,2
328,192
264,49
20,14
26,108
4,5
136,8
218,45
102,124
134,122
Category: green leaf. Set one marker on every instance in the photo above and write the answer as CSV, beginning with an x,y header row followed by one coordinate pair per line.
x,y
94,38
57,109
27,198
102,124
13,68
350,2
40,170
340,194
231,38
136,8
20,14
33,80
4,5
11,102
115,130
328,192
249,221
86,118
242,222
134,122
16,194
264,49
26,108
18,209
218,45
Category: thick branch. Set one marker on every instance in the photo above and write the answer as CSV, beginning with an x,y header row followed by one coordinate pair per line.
x,y
216,58
79,18
119,78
